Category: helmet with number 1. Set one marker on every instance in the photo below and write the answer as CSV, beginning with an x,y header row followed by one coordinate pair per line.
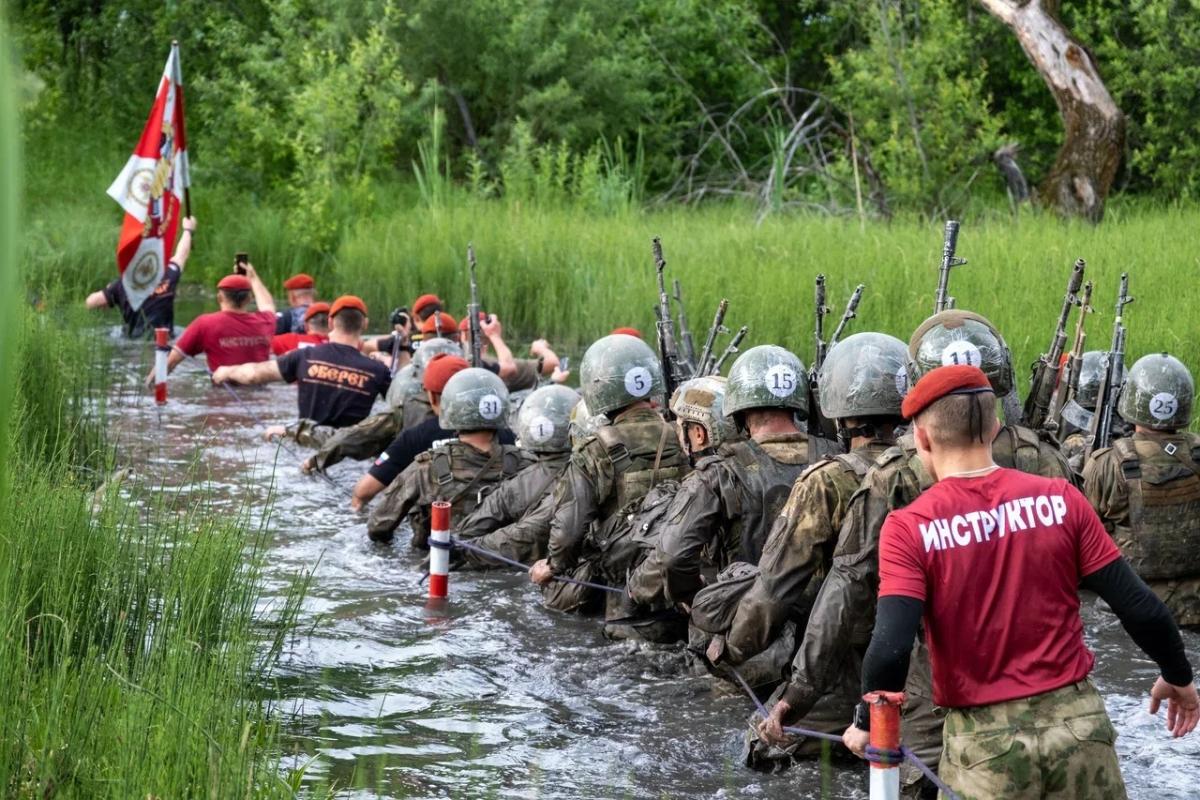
x,y
701,402
1158,393
618,371
473,400
864,375
544,421
767,377
960,337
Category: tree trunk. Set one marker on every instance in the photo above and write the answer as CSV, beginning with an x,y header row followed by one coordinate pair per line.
x,y
1094,128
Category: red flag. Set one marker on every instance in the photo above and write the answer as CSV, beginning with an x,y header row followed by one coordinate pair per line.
x,y
151,189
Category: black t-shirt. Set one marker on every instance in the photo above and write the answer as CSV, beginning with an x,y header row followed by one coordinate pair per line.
x,y
158,311
290,321
338,384
411,443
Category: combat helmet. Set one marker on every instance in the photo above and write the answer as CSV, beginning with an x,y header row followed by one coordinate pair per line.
x,y
543,423
404,385
617,371
1078,410
864,375
430,348
1158,393
700,401
961,337
473,400
584,423
767,376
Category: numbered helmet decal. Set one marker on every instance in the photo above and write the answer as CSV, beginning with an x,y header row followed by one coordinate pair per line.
x,y
781,380
540,429
962,353
1164,406
490,406
638,381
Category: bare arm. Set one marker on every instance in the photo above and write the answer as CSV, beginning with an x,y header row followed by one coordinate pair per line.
x,y
262,295
365,490
96,300
260,372
541,348
494,332
184,248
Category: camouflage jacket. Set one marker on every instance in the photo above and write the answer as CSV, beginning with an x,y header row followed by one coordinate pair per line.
x,y
799,550
365,440
843,615
608,472
525,540
721,514
516,496
455,472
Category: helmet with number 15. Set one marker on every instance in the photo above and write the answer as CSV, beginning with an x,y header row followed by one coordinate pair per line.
x,y
960,337
767,376
473,400
618,371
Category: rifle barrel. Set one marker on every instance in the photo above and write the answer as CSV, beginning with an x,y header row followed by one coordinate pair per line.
x,y
850,313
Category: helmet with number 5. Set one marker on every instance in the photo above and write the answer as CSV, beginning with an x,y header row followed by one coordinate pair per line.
x,y
544,421
767,376
864,375
700,401
960,337
1158,393
618,371
473,400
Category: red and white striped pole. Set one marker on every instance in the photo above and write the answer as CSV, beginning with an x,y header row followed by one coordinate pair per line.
x,y
885,737
161,350
439,551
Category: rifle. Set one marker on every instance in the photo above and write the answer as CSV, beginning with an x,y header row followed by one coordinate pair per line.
x,y
850,313
732,349
685,333
673,373
949,245
1047,368
473,313
1069,387
1100,431
819,325
705,365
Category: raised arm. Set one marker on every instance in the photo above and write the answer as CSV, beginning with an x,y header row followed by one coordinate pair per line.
x,y
96,300
183,248
262,295
494,332
541,349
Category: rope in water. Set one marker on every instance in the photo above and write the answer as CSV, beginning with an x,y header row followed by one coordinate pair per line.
x,y
283,444
874,754
463,545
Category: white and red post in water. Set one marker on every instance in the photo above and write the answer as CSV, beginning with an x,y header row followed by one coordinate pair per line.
x,y
439,551
885,736
161,350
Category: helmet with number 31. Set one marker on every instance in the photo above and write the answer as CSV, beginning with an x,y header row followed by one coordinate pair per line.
x,y
960,337
544,421
767,376
473,400
1158,393
618,371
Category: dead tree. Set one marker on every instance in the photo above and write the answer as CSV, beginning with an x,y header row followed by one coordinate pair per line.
x,y
1094,128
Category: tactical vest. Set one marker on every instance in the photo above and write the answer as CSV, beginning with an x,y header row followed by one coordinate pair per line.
x,y
464,484
1018,447
1162,537
754,498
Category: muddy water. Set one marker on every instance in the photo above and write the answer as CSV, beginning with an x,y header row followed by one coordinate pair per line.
x,y
496,696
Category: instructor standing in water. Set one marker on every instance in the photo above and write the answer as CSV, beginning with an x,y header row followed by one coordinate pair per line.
x,y
992,559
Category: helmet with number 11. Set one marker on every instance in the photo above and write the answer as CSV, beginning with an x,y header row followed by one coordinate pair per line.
x,y
767,376
960,337
473,399
618,371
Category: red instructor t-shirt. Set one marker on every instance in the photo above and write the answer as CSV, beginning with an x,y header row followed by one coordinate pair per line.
x,y
229,338
997,560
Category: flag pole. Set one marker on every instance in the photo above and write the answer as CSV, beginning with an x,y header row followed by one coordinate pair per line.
x,y
187,190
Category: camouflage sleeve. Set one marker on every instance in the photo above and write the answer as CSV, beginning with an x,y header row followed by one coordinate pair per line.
x,y
398,499
576,505
495,511
526,539
365,440
844,603
1104,487
1053,464
796,550
693,521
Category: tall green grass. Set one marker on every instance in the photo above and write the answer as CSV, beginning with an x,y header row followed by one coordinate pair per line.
x,y
132,655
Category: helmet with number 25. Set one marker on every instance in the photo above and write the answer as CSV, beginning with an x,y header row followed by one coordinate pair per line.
x,y
473,400
1158,393
618,371
960,337
767,376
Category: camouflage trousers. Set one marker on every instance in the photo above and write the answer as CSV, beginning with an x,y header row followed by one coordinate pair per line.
x,y
1182,597
309,434
1056,746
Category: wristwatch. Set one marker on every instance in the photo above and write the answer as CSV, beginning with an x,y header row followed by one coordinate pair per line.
x,y
862,717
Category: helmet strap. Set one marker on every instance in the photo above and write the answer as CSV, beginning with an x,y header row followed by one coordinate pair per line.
x,y
847,435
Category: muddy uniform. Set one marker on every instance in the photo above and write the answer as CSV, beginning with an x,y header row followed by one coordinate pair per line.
x,y
827,669
1146,490
499,524
372,436
798,551
721,514
529,372
609,473
453,471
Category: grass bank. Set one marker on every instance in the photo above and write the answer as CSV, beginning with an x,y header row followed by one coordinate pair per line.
x,y
132,655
